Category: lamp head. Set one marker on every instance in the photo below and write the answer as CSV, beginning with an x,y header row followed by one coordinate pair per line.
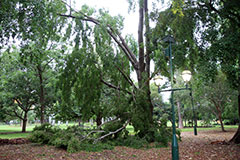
x,y
158,81
186,75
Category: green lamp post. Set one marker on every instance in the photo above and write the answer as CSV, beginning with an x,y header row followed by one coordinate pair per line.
x,y
186,75
175,153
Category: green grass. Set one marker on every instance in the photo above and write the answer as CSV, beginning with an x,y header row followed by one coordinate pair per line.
x,y
17,128
14,128
218,127
14,135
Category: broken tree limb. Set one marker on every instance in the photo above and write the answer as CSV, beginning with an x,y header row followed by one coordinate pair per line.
x,y
111,133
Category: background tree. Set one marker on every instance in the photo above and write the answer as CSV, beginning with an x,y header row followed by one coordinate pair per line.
x,y
218,93
36,26
18,89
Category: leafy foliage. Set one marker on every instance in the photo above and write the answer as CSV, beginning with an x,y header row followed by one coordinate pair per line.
x,y
75,138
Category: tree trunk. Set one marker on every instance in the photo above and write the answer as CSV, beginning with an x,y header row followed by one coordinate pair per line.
x,y
236,138
148,52
79,122
99,120
219,115
221,122
180,121
24,124
42,98
144,108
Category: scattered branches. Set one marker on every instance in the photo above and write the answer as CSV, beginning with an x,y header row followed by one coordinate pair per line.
x,y
111,133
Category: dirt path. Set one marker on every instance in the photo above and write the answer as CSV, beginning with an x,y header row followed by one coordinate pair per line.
x,y
205,146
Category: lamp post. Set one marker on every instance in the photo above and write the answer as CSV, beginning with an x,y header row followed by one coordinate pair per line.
x,y
175,153
186,75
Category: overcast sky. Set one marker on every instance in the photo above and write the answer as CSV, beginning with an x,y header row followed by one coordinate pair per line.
x,y
115,7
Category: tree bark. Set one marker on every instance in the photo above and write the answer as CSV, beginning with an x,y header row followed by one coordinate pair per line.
x,y
24,124
42,98
79,122
148,52
219,115
236,138
180,121
99,120
221,122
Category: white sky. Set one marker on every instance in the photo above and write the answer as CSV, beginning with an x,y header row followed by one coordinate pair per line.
x,y
119,7
115,7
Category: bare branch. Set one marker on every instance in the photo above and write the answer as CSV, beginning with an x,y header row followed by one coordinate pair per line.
x,y
97,131
140,39
129,80
115,87
111,133
114,120
147,39
16,114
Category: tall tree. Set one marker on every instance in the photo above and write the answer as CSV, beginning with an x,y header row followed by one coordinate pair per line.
x,y
218,93
114,58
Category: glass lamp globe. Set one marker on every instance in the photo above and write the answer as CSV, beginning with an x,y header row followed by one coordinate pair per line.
x,y
186,75
157,80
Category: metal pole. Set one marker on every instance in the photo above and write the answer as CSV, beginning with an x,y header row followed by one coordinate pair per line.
x,y
175,153
194,117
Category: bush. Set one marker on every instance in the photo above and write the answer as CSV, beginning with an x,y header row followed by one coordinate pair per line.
x,y
70,139
61,139
132,141
43,134
40,137
73,139
73,145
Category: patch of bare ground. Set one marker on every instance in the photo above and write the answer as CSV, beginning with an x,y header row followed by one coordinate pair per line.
x,y
207,145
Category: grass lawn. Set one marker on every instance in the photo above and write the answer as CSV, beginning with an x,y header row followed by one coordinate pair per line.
x,y
17,128
218,127
14,135
14,128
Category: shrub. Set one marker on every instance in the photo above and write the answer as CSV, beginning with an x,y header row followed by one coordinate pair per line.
x,y
74,139
46,127
61,139
70,139
132,141
43,134
73,145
